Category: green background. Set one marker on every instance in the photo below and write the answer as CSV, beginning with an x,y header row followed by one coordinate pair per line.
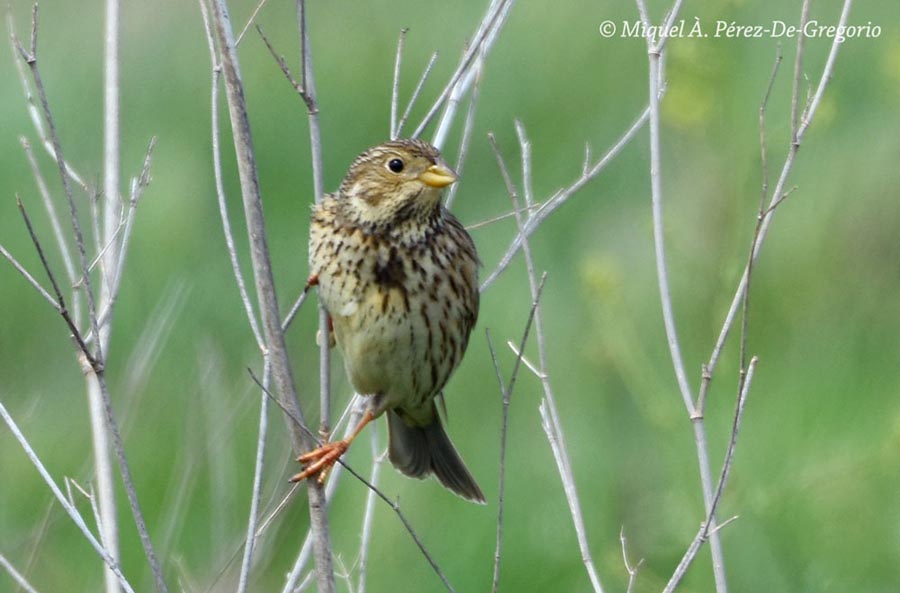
x,y
816,483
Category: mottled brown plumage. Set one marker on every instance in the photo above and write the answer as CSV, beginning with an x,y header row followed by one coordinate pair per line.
x,y
398,275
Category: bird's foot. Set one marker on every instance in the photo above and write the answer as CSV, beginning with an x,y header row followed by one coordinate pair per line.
x,y
319,460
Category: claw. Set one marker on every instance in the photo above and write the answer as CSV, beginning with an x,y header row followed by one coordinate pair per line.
x,y
320,460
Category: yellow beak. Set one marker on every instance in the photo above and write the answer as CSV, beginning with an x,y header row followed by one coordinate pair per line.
x,y
438,176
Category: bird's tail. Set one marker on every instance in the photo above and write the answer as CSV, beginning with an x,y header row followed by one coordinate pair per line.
x,y
421,450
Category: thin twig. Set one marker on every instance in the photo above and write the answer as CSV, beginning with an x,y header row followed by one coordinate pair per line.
x,y
253,513
798,74
128,483
52,215
20,580
137,191
27,275
528,364
415,94
286,70
506,396
501,217
395,87
489,26
631,570
315,144
249,21
777,202
746,380
745,306
57,493
60,300
295,308
93,360
33,111
466,139
369,512
395,506
708,528
827,73
504,424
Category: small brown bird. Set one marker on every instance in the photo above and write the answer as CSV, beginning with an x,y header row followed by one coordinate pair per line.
x,y
398,275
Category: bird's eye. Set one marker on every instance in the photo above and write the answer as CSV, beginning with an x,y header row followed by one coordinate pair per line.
x,y
395,165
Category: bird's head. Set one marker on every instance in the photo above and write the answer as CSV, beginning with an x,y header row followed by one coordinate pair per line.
x,y
395,182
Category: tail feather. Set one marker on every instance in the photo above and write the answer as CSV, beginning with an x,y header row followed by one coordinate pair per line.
x,y
418,451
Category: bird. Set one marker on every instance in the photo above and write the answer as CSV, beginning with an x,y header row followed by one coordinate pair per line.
x,y
398,275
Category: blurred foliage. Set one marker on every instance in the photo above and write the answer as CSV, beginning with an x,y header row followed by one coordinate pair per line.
x,y
816,476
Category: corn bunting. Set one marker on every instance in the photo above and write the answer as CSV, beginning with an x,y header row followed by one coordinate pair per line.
x,y
398,275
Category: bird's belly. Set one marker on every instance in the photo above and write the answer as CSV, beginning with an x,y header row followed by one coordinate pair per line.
x,y
383,347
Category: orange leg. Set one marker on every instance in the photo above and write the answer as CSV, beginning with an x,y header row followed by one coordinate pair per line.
x,y
313,280
319,461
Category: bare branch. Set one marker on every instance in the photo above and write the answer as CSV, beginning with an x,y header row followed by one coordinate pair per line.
x,y
353,413
779,189
137,190
631,570
655,83
488,29
551,422
265,286
220,185
561,196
